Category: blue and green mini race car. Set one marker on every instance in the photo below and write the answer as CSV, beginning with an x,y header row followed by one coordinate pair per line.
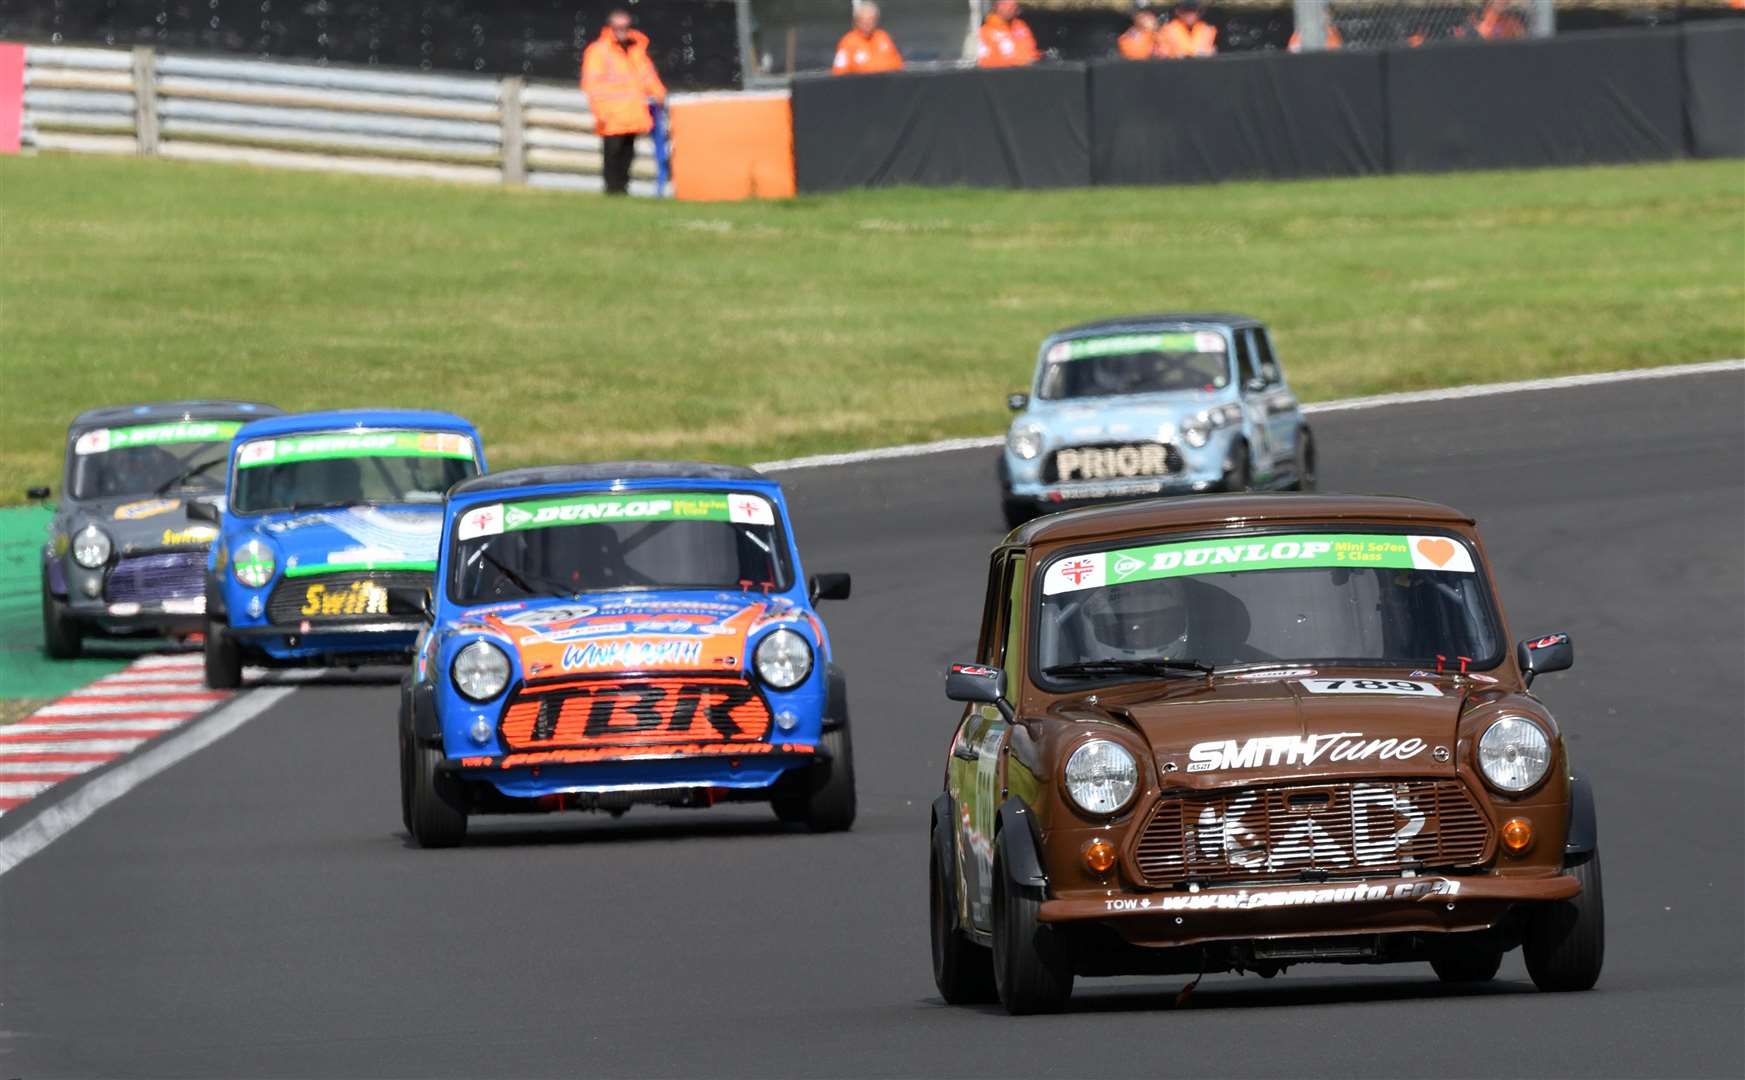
x,y
610,634
327,541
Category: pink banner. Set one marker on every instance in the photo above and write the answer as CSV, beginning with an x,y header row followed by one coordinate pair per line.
x,y
11,96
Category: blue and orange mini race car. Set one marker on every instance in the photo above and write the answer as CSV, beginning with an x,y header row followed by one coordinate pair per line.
x,y
619,633
328,538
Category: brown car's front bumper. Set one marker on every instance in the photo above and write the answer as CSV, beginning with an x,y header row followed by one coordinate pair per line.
x,y
1429,904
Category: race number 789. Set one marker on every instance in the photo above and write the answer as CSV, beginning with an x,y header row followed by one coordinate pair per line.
x,y
1409,687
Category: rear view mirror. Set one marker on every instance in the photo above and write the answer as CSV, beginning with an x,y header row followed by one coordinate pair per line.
x,y
36,493
828,587
1536,656
1016,402
201,510
978,683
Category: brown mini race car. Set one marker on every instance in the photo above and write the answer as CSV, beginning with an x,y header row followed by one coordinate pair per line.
x,y
1237,733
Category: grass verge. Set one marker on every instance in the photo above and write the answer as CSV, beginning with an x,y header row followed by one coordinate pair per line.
x,y
575,328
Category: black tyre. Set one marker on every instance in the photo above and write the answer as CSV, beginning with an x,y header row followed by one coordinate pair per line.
x,y
1031,971
1565,942
963,970
407,767
822,797
1016,511
223,658
1465,964
61,636
1238,475
1305,462
435,817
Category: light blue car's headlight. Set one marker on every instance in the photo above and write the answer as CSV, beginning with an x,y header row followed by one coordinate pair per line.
x,y
1025,439
1198,430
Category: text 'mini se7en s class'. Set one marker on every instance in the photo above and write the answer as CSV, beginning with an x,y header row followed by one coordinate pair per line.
x,y
1153,405
327,538
623,633
125,554
1247,732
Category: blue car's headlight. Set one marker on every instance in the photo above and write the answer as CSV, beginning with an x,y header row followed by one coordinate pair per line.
x,y
253,563
783,660
480,671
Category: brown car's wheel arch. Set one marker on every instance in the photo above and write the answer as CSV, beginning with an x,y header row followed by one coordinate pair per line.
x,y
1565,943
963,970
1032,972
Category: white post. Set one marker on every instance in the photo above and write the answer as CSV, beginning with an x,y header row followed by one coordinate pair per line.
x,y
1541,18
514,140
145,100
1311,18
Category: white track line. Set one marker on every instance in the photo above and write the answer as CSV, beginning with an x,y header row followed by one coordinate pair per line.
x,y
1378,401
58,818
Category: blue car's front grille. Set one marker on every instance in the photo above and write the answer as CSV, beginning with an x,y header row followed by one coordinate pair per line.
x,y
1111,461
152,579
347,595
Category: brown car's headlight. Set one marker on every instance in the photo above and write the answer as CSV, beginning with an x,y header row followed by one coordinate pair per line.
x,y
1514,754
1101,776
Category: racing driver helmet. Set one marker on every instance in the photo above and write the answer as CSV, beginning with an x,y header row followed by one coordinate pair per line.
x,y
1141,620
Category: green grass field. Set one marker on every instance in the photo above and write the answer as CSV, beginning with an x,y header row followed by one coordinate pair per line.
x,y
573,328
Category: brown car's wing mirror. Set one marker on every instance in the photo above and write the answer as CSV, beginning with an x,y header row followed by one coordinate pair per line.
x,y
1536,656
978,684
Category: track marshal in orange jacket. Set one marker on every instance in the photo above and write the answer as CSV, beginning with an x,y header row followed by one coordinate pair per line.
x,y
619,79
866,49
1005,40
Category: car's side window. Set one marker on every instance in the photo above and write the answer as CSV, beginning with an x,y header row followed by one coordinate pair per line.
x,y
993,607
1263,353
1012,655
1246,369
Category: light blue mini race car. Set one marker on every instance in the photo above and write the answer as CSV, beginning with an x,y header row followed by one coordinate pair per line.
x,y
327,539
1153,405
622,633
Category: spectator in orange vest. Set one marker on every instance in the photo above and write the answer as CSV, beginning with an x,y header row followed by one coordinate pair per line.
x,y
1005,39
1140,40
1186,34
619,79
866,49
1334,41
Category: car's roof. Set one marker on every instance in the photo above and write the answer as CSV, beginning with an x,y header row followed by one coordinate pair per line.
x,y
1218,510
147,412
1145,322
422,419
604,472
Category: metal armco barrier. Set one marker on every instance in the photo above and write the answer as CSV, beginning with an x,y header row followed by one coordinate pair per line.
x,y
301,116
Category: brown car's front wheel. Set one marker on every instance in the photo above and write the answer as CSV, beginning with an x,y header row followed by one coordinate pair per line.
x,y
1565,943
1032,972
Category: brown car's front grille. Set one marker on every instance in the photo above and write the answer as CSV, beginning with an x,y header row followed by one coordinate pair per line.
x,y
638,711
345,596
1366,827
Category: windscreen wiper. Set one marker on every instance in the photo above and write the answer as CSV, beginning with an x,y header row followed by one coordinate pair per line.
x,y
186,475
1090,669
548,586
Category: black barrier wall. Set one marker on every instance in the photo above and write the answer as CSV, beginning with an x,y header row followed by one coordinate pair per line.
x,y
1593,98
1583,99
1714,89
1016,127
1259,115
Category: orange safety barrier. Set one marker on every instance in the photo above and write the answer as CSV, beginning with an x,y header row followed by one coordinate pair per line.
x,y
738,146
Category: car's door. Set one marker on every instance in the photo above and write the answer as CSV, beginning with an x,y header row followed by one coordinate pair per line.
x,y
982,733
1283,415
1254,417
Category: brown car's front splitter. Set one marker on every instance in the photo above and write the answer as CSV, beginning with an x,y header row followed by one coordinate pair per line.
x,y
1390,905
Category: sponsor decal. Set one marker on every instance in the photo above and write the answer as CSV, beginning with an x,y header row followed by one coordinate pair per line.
x,y
1548,641
682,506
360,598
1123,344
1078,572
293,569
545,616
1284,552
480,521
102,440
193,534
639,711
353,444
979,671
621,753
633,655
1277,673
1110,462
749,510
1250,900
1273,750
146,508
1406,687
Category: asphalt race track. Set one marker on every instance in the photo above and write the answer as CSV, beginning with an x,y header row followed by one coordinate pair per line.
x,y
256,909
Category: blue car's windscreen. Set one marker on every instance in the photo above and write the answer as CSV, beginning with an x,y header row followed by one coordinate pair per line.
x,y
606,543
349,468
1370,599
1150,363
150,459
